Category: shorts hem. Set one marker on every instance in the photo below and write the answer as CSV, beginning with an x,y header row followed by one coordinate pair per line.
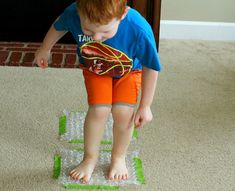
x,y
100,105
124,104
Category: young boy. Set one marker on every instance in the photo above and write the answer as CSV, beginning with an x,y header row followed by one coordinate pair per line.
x,y
117,53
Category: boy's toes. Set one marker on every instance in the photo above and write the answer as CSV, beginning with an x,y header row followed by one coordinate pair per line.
x,y
117,177
111,176
73,173
86,179
123,177
79,177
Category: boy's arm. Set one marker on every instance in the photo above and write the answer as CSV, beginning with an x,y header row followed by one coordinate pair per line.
x,y
43,53
51,38
149,81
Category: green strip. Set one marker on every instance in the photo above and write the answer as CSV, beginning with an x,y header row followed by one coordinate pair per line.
x,y
135,133
104,142
90,187
79,150
57,166
62,125
76,141
102,150
139,170
106,150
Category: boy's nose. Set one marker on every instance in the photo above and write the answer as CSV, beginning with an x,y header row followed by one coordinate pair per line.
x,y
97,37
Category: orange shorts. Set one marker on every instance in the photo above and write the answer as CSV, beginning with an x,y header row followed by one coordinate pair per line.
x,y
105,90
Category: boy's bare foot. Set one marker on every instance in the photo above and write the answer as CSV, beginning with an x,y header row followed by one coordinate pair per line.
x,y
84,170
118,170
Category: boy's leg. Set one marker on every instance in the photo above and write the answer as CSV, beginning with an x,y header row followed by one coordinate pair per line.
x,y
99,94
125,94
122,134
93,132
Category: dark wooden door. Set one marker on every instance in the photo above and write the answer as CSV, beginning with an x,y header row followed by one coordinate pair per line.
x,y
151,10
29,20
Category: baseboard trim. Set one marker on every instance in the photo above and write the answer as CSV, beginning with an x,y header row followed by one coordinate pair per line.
x,y
218,31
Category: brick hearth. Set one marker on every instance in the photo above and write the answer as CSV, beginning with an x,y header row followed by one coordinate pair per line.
x,y
22,54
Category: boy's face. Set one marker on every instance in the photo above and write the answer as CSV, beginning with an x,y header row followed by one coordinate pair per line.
x,y
99,32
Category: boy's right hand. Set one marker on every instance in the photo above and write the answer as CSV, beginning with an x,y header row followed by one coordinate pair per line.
x,y
42,57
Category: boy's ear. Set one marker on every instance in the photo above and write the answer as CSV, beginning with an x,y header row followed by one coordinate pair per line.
x,y
125,12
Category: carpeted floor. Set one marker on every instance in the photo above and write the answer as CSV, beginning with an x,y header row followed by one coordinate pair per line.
x,y
190,145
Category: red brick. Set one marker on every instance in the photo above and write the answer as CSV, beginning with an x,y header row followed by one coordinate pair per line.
x,y
3,57
70,46
22,49
28,59
37,45
22,54
63,50
70,61
11,44
57,59
33,45
57,46
15,59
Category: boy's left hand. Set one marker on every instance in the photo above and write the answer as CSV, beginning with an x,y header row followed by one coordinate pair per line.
x,y
143,116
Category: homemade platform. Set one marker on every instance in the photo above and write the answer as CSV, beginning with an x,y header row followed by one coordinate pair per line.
x,y
66,160
71,128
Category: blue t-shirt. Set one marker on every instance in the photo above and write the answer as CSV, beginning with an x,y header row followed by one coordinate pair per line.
x,y
134,38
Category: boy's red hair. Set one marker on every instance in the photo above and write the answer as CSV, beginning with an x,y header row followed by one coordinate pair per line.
x,y
101,11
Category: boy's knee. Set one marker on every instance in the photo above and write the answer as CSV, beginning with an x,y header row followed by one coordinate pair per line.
x,y
122,114
100,111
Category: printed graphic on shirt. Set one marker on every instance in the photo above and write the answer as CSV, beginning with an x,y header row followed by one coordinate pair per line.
x,y
105,60
84,38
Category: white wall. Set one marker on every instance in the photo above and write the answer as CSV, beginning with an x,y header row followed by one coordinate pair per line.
x,y
198,19
199,10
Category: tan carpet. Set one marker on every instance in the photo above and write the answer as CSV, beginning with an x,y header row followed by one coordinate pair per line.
x,y
190,145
